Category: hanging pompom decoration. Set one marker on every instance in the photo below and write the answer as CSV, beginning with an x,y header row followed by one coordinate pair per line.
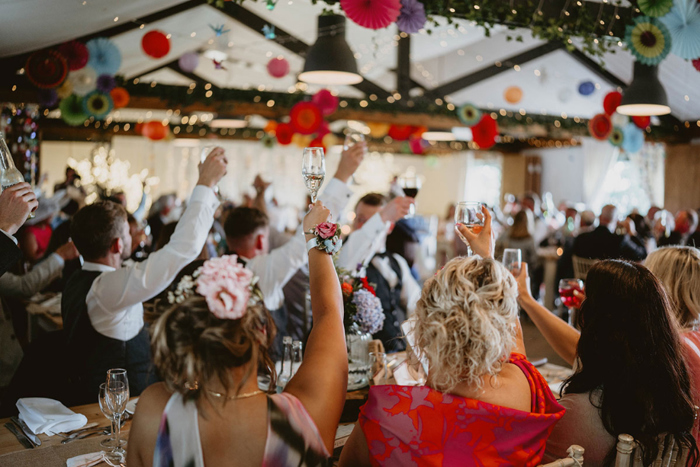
x,y
323,129
105,57
84,81
270,127
600,127
469,114
72,110
378,129
154,130
372,14
683,24
75,53
586,88
305,118
619,120
97,104
485,132
616,137
284,133
611,102
326,101
48,97
268,141
655,8
648,40
641,122
633,139
188,62
120,97
106,83
417,145
412,17
696,64
65,90
155,44
513,95
46,69
400,132
278,67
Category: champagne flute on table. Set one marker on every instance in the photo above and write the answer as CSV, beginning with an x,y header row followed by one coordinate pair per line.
x,y
512,260
116,396
313,169
572,301
9,174
410,184
468,214
111,441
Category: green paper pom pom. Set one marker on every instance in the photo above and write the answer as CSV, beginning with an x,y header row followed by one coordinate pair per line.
x,y
616,137
655,8
72,110
97,104
469,114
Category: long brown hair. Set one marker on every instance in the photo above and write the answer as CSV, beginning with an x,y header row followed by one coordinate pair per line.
x,y
522,224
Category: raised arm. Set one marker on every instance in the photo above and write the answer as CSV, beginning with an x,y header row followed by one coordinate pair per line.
x,y
321,381
40,276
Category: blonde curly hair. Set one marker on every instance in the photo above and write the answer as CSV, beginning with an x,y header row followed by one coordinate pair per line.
x,y
466,321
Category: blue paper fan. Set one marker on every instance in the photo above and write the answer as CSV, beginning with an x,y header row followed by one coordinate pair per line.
x,y
633,138
105,57
683,22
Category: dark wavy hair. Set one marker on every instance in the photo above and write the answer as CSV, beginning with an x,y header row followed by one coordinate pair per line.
x,y
630,350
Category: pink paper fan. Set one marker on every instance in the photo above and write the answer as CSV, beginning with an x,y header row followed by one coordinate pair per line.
x,y
326,101
696,64
372,14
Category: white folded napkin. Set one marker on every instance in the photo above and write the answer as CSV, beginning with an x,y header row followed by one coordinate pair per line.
x,y
48,416
86,460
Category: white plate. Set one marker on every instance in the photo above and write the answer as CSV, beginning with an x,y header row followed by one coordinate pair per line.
x,y
131,406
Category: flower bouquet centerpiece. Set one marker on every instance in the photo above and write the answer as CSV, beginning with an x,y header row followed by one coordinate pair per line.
x,y
363,316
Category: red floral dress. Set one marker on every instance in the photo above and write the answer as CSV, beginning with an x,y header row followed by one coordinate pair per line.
x,y
419,426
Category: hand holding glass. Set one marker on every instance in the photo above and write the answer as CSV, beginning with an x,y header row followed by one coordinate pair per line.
x,y
512,259
313,169
571,300
470,215
410,184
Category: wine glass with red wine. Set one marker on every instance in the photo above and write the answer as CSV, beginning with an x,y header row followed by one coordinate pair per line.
x,y
571,300
410,184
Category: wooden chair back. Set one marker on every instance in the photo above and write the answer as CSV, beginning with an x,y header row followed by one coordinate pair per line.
x,y
575,458
671,454
581,266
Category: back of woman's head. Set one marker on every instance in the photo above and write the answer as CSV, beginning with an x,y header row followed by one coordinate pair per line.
x,y
678,269
630,349
523,224
466,321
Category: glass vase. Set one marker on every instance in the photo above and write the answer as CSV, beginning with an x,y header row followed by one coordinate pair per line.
x,y
358,356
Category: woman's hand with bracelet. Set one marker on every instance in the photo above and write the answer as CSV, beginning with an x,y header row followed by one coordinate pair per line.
x,y
319,233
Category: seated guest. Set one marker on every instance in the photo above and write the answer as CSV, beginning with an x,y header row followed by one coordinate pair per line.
x,y
34,238
43,273
686,223
102,304
519,235
16,203
479,381
630,375
209,410
388,272
604,243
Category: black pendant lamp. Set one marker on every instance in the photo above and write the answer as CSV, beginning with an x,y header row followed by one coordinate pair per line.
x,y
645,95
330,61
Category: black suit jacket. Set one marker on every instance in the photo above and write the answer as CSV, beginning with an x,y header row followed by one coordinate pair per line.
x,y
603,244
9,253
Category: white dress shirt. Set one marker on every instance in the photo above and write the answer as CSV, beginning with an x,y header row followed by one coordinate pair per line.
x,y
361,246
115,299
34,281
410,290
276,268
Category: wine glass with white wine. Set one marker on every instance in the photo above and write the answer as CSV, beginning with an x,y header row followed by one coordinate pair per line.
x,y
313,169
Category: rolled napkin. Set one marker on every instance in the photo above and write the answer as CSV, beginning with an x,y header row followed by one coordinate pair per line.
x,y
48,416
86,460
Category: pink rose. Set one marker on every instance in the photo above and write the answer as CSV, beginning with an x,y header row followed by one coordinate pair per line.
x,y
225,284
326,230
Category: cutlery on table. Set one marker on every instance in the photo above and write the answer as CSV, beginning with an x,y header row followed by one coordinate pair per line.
x,y
25,429
87,435
20,436
68,434
89,430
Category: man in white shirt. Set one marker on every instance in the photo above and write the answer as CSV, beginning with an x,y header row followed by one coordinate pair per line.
x,y
102,303
366,247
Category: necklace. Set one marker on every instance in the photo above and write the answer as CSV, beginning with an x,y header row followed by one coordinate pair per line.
x,y
240,396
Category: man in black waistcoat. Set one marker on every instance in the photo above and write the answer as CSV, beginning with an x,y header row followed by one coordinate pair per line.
x,y
604,243
16,202
390,273
102,303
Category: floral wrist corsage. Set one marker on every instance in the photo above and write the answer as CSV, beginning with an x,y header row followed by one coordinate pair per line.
x,y
327,238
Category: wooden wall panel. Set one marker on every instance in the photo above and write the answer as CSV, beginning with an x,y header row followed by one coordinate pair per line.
x,y
682,178
514,175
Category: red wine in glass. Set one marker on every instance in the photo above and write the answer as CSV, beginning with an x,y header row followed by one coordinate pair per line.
x,y
567,289
410,192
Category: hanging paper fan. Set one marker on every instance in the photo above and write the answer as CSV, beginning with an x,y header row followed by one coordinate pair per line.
x,y
268,141
106,83
305,118
326,101
619,120
611,102
417,131
284,133
633,139
65,90
469,114
270,127
278,67
616,137
683,24
586,88
47,97
485,132
641,122
400,132
378,129
696,64
155,44
105,57
72,110
600,127
412,16
120,97
188,62
97,104
513,95
655,8
46,68
76,54
417,145
83,81
323,129
648,40
372,14
154,130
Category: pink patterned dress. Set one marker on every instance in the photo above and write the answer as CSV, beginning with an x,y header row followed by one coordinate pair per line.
x,y
419,426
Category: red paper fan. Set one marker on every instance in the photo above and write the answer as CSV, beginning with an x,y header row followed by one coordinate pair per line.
x,y
418,131
120,97
600,127
325,101
400,132
284,133
696,64
155,44
485,132
323,129
46,68
416,145
318,143
75,53
642,122
305,118
611,102
372,14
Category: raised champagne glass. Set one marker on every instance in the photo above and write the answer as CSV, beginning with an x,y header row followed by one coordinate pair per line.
x,y
313,169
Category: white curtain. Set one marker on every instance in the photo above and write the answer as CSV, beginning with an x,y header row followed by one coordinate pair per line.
x,y
599,158
650,162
